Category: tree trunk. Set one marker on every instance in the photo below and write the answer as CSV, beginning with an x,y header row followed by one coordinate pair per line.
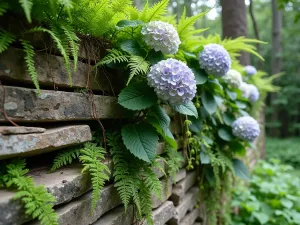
x,y
234,23
276,59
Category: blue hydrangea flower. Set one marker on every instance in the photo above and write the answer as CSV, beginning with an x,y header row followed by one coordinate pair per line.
x,y
246,128
215,60
250,70
253,93
233,78
244,87
161,36
173,81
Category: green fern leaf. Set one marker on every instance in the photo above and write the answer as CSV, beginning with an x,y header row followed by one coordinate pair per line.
x,y
6,39
91,157
3,8
65,158
27,6
155,12
137,65
29,59
114,56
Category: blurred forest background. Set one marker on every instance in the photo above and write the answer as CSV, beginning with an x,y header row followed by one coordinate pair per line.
x,y
275,22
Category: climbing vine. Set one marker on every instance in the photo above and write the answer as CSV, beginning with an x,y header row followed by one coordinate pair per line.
x,y
165,64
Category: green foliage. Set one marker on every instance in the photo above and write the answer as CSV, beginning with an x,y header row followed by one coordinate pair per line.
x,y
38,203
285,150
134,179
272,196
186,109
137,96
3,8
29,58
174,161
27,6
138,66
141,140
92,156
6,39
209,102
155,12
65,158
113,56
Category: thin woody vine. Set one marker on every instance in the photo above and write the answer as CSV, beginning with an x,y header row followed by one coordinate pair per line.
x,y
165,64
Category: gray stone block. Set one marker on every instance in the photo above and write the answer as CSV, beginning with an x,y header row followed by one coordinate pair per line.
x,y
187,204
38,143
8,130
181,174
162,145
166,193
23,104
52,73
78,211
117,216
162,214
179,189
190,218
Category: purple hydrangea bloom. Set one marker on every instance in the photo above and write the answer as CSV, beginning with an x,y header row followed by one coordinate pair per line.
x,y
233,77
215,60
250,70
161,36
253,93
173,81
246,128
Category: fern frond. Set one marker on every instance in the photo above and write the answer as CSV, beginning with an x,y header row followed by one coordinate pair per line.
x,y
152,182
114,56
174,160
120,5
29,59
137,65
65,158
3,8
133,12
155,12
91,157
146,204
6,39
60,47
27,6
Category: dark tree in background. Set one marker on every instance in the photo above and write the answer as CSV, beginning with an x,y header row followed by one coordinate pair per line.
x,y
234,22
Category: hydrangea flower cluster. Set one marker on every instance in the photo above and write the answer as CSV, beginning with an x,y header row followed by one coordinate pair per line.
x,y
161,36
215,60
246,128
249,91
233,78
250,70
173,81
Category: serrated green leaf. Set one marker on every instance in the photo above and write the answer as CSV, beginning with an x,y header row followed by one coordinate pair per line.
x,y
196,125
228,118
200,75
186,109
141,140
240,169
209,102
132,47
159,119
137,97
129,23
225,134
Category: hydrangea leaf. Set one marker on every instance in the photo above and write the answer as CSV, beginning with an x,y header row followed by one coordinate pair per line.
x,y
155,57
141,140
186,109
228,118
132,47
159,119
231,94
129,23
196,125
237,147
240,169
261,217
209,102
204,158
200,75
225,134
137,97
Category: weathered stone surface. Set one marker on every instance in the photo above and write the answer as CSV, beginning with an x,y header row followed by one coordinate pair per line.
x,y
78,211
176,127
162,214
190,218
162,146
117,216
158,172
166,193
38,143
197,223
52,73
179,189
187,204
6,130
181,174
57,106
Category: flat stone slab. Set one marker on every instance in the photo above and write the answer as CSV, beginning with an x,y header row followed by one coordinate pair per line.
x,y
190,218
117,216
23,104
38,143
166,193
52,73
163,214
187,204
6,130
179,189
78,211
181,174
